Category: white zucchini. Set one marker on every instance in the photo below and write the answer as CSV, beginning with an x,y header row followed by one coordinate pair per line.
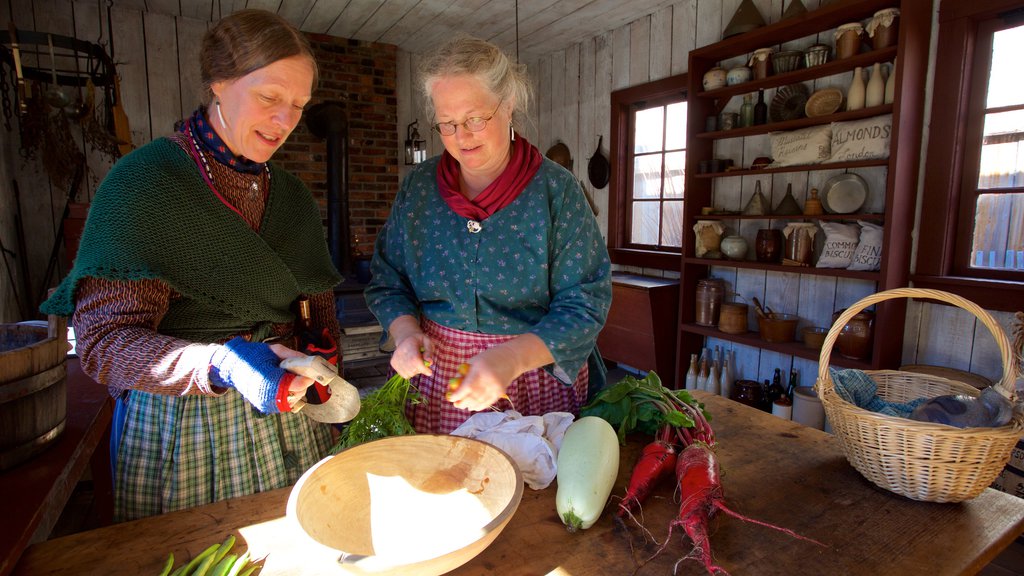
x,y
588,464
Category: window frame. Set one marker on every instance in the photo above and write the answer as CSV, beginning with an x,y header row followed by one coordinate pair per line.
x,y
623,103
952,159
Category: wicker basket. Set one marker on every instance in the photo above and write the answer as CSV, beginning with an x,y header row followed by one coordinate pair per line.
x,y
919,460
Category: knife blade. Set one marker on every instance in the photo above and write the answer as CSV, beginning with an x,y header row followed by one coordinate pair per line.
x,y
342,402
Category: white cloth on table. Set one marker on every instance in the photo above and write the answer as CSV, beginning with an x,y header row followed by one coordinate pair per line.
x,y
531,441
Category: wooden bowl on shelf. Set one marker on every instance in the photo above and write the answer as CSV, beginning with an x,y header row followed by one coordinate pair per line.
x,y
778,328
814,336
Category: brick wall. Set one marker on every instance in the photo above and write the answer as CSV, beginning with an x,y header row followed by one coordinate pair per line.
x,y
361,77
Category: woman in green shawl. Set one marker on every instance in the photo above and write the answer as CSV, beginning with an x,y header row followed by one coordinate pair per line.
x,y
194,252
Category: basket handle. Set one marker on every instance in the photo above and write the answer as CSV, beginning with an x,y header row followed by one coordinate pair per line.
x,y
1006,386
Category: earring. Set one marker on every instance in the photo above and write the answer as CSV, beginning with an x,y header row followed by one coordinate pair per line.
x,y
220,115
511,132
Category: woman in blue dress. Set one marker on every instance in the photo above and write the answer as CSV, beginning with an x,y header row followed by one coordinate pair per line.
x,y
490,275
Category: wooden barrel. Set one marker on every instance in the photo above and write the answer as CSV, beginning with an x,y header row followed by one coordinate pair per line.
x,y
33,388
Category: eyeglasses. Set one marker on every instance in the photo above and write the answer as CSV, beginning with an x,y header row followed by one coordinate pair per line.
x,y
474,124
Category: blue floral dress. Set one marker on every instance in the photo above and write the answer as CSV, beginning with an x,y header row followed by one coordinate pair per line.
x,y
538,265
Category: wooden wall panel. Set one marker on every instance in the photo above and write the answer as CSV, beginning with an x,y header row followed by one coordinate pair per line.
x,y
162,74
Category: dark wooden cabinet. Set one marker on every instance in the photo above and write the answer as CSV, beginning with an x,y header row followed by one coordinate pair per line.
x,y
900,169
641,327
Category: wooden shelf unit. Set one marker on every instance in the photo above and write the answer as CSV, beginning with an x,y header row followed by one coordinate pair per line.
x,y
911,54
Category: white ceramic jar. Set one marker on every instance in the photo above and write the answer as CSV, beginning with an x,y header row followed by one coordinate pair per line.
x,y
715,78
734,247
738,75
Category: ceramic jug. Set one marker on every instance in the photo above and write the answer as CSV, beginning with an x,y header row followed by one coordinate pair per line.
x,y
734,247
855,339
768,245
748,392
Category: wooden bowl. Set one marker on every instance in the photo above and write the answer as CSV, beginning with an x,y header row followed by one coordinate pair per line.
x,y
778,327
416,505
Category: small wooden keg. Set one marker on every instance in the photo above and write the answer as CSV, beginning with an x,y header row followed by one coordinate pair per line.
x,y
33,388
733,318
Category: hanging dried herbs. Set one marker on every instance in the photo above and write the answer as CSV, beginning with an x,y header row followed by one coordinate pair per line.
x,y
49,134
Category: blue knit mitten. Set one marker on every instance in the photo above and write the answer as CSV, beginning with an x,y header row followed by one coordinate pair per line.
x,y
252,369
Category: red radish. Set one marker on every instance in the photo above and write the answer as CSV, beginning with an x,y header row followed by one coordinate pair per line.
x,y
701,494
656,460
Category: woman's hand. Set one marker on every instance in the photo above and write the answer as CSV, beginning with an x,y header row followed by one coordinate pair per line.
x,y
492,371
489,376
298,385
413,348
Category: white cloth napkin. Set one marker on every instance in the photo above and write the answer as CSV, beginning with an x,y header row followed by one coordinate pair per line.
x,y
531,441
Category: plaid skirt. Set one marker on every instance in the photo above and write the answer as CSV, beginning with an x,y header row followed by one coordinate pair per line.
x,y
533,393
177,452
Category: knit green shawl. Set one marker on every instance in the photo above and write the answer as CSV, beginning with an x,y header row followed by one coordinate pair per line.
x,y
154,217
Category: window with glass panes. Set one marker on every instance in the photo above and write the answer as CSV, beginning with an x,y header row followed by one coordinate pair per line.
x,y
658,135
994,192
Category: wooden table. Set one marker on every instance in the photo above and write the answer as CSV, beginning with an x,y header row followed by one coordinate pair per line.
x,y
35,491
773,470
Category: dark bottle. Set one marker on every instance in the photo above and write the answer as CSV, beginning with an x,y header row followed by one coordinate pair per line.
x,y
760,109
794,381
775,390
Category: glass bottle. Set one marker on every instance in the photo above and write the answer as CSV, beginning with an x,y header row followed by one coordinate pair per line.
x,y
691,376
760,109
794,381
747,111
775,390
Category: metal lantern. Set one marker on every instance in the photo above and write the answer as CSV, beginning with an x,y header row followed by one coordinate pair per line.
x,y
414,150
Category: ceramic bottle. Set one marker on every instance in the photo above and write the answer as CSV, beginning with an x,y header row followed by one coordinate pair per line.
x,y
713,384
726,384
874,91
703,375
855,92
890,84
691,376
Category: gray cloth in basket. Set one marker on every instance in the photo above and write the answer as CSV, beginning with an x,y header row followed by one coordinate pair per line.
x,y
857,388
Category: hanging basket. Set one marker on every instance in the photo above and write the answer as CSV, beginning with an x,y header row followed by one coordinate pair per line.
x,y
920,460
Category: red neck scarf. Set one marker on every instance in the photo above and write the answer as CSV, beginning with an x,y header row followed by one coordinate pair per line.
x,y
525,162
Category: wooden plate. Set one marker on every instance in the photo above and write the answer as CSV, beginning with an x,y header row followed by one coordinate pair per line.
x,y
823,102
788,103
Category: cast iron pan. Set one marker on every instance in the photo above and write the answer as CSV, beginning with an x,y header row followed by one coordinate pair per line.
x,y
598,168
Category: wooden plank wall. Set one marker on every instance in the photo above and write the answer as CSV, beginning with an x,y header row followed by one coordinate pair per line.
x,y
156,57
572,105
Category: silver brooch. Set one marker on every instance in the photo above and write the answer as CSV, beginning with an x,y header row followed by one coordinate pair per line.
x,y
473,226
